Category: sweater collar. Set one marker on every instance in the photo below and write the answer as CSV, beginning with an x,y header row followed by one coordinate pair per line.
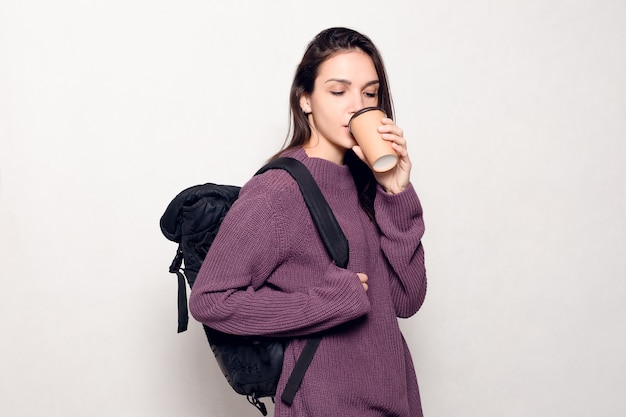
x,y
327,174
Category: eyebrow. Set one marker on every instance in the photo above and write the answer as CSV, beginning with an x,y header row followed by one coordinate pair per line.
x,y
348,82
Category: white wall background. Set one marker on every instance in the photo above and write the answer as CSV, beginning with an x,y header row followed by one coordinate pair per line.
x,y
516,116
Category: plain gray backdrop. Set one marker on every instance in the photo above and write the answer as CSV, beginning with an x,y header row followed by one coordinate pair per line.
x,y
515,113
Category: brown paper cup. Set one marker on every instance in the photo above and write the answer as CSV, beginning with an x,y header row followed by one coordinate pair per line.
x,y
364,127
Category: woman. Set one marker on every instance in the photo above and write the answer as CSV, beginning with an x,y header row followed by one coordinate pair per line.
x,y
268,272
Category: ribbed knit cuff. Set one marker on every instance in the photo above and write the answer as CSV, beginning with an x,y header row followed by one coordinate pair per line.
x,y
400,209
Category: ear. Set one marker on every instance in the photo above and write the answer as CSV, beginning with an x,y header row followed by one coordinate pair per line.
x,y
305,103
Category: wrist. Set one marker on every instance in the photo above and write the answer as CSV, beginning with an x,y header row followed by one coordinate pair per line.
x,y
393,190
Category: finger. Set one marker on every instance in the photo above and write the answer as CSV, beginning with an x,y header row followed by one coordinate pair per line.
x,y
392,134
400,148
394,138
387,125
357,150
363,279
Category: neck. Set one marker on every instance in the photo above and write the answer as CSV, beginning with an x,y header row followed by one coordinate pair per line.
x,y
315,148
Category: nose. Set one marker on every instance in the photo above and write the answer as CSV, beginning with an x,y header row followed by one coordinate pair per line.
x,y
356,103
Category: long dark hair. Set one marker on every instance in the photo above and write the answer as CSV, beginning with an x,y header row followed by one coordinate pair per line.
x,y
325,45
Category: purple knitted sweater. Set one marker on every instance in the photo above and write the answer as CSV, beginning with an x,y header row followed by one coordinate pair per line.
x,y
268,273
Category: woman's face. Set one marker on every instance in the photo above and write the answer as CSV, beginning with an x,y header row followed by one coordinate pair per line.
x,y
346,83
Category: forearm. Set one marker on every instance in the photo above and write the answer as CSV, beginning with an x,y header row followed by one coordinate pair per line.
x,y
271,312
402,227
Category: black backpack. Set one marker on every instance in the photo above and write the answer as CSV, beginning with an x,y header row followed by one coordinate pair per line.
x,y
251,364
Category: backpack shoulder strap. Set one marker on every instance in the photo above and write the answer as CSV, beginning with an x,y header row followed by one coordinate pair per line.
x,y
327,226
334,240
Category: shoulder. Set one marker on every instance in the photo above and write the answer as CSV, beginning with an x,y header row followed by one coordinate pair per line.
x,y
274,193
272,184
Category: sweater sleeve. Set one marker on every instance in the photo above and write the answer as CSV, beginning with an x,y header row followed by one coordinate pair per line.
x,y
232,292
399,217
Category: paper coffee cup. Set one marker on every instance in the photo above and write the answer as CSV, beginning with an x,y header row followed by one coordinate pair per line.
x,y
364,127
